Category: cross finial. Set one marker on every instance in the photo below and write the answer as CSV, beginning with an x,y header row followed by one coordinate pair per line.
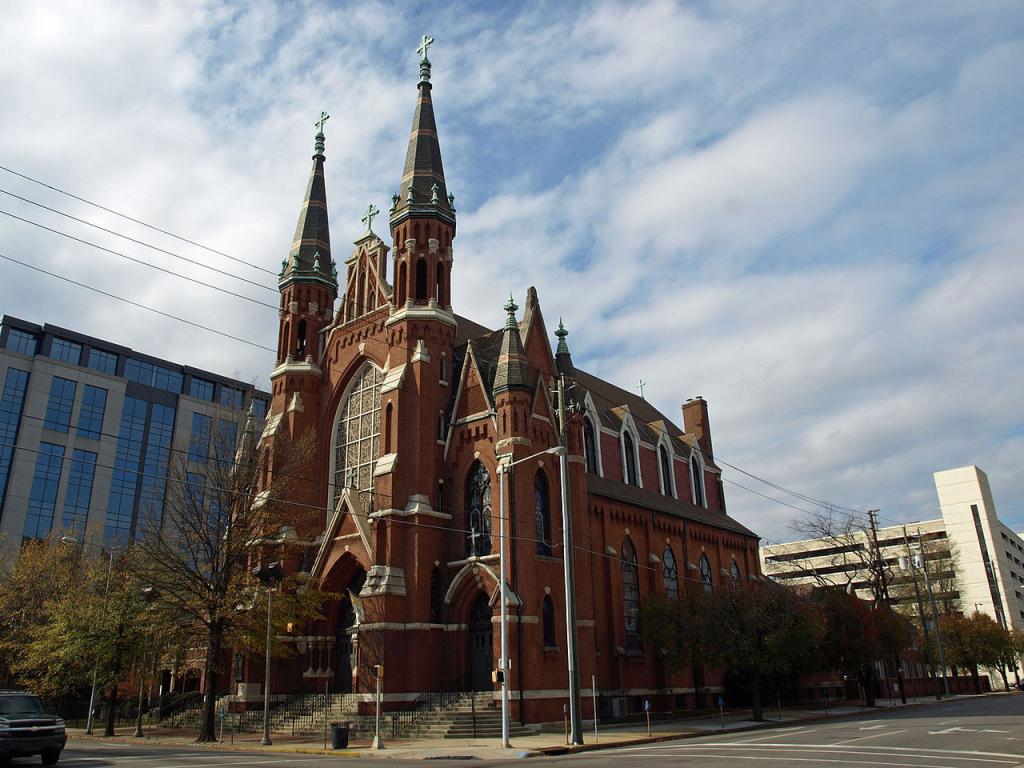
x,y
371,211
318,147
425,43
641,386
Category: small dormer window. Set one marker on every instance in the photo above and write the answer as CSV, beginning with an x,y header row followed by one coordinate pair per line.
x,y
590,445
665,464
629,474
697,471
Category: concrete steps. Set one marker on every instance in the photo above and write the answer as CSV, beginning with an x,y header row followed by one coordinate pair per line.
x,y
474,715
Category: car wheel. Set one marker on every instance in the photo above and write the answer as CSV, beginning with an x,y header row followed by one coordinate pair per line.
x,y
51,756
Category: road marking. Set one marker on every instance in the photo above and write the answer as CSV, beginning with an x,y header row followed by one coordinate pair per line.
x,y
789,732
871,728
945,754
872,736
817,760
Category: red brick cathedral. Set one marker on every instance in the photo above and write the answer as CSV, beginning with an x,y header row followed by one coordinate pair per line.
x,y
413,407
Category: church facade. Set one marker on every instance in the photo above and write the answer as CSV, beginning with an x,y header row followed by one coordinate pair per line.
x,y
413,407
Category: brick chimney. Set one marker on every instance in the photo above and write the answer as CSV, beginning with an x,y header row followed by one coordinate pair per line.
x,y
696,422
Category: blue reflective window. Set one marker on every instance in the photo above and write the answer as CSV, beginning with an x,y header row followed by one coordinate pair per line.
x,y
79,492
195,485
224,443
11,402
199,441
259,407
202,389
105,362
153,375
231,396
22,342
90,415
154,470
68,351
60,405
125,476
43,498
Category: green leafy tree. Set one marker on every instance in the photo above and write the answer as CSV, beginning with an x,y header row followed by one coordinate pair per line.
x,y
763,629
977,641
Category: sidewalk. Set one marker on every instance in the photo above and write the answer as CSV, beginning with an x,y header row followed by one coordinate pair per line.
x,y
523,746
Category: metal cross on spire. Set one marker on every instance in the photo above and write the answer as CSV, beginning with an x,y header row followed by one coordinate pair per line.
x,y
424,45
641,386
371,211
324,117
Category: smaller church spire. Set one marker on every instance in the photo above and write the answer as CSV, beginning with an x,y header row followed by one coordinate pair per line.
x,y
512,371
563,359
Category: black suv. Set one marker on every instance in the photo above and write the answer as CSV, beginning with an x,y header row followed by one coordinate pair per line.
x,y
26,729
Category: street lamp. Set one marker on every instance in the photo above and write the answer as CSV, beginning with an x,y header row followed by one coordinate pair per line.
x,y
504,467
149,594
95,667
270,576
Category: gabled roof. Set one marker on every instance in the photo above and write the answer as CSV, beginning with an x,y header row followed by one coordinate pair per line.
x,y
630,494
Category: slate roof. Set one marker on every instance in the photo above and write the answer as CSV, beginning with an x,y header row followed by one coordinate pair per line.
x,y
309,259
423,168
630,494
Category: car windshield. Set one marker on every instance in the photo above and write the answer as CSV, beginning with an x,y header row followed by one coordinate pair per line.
x,y
21,705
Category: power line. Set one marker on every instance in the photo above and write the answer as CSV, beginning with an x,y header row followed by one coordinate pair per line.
x,y
137,304
123,236
134,220
143,263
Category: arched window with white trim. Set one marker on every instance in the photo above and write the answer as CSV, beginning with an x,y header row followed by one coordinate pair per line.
x,y
665,470
697,479
629,468
590,445
357,436
542,513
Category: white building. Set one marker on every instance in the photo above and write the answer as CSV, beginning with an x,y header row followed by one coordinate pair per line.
x,y
975,561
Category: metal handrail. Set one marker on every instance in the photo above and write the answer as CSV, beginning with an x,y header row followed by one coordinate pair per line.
x,y
428,701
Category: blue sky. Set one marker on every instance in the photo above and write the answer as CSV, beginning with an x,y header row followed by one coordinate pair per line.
x,y
810,213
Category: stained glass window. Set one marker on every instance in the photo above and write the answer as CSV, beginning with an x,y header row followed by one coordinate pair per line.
x,y
671,574
666,471
629,451
631,596
705,572
357,437
478,511
698,482
542,513
734,574
548,621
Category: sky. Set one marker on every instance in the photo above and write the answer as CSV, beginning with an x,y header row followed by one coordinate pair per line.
x,y
808,213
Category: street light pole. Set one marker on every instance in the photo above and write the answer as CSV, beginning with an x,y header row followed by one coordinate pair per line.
x,y
269,576
503,469
503,663
148,596
575,717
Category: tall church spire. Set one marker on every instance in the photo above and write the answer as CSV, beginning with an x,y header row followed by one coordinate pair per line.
x,y
309,260
423,194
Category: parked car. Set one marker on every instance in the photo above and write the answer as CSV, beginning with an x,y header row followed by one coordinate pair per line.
x,y
27,729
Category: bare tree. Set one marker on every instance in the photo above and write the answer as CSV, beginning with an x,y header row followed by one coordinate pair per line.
x,y
219,514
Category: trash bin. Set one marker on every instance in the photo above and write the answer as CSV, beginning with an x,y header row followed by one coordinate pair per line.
x,y
339,735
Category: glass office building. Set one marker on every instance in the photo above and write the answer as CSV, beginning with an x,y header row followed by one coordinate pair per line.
x,y
89,432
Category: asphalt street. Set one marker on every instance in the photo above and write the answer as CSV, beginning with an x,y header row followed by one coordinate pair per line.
x,y
972,733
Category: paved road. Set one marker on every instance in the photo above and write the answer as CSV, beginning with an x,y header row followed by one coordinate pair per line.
x,y
972,733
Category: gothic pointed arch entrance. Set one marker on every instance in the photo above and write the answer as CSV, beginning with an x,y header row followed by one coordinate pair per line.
x,y
346,630
481,644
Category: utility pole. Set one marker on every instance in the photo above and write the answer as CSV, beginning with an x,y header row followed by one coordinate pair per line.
x,y
920,613
935,613
882,596
575,717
